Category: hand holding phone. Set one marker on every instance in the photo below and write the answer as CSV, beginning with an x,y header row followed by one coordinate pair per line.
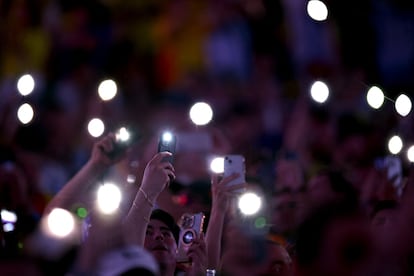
x,y
191,227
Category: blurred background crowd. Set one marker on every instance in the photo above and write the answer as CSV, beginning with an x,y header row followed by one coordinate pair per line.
x,y
254,62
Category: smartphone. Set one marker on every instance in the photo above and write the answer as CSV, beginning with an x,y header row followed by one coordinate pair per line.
x,y
191,226
235,164
124,138
167,142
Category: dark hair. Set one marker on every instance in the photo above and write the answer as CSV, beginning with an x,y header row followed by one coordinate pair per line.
x,y
166,218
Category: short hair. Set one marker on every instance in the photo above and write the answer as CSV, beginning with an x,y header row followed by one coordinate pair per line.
x,y
167,219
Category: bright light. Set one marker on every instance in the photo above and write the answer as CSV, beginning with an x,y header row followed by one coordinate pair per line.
x,y
60,223
319,92
96,127
403,105
7,216
108,198
217,165
375,97
107,90
25,113
410,154
201,113
167,136
25,85
395,144
131,178
317,10
123,135
8,227
249,203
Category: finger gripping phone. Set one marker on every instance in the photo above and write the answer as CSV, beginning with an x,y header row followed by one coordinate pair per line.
x,y
235,164
167,142
191,225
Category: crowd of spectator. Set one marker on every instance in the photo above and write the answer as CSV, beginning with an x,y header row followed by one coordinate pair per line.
x,y
335,201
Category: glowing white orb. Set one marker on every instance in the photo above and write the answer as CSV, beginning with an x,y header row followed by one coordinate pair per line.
x,y
8,216
123,134
375,97
107,90
8,227
410,154
249,203
395,144
25,113
319,91
217,165
201,113
60,223
25,84
403,105
167,136
96,127
108,198
317,10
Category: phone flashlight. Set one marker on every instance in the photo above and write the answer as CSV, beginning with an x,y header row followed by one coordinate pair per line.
x,y
123,140
167,142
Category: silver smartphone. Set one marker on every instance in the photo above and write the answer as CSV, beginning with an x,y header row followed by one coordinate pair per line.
x,y
235,163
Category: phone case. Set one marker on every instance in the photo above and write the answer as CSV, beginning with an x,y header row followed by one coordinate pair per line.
x,y
191,226
235,164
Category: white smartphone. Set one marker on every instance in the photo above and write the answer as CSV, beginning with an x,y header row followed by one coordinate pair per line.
x,y
235,164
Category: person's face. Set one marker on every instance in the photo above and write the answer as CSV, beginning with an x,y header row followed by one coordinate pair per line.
x,y
159,240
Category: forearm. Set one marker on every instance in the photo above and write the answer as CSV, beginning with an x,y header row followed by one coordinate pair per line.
x,y
136,221
214,235
77,187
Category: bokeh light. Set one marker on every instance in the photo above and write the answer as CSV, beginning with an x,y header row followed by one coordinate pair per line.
x,y
96,127
217,165
82,212
107,90
403,105
108,198
25,113
317,10
319,92
410,154
123,135
201,113
167,136
60,223
375,97
8,219
249,203
25,84
395,144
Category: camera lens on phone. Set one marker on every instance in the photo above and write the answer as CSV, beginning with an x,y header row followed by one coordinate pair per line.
x,y
188,237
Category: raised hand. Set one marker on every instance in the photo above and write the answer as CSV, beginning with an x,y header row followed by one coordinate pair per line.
x,y
157,175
